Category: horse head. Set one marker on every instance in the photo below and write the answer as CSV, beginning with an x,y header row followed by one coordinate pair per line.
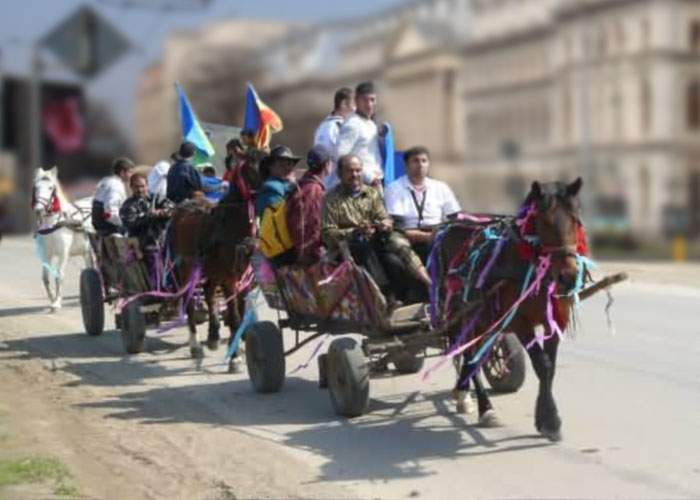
x,y
252,170
554,210
45,192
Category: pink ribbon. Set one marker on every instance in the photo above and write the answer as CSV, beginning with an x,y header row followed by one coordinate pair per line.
x,y
336,272
312,356
536,283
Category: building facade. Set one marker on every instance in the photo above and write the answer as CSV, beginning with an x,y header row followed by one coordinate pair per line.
x,y
602,89
504,92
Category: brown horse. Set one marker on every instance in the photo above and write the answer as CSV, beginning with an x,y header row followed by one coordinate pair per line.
x,y
546,236
216,244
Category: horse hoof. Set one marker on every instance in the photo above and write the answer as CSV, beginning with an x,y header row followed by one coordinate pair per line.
x,y
490,420
465,403
212,344
197,352
234,366
553,436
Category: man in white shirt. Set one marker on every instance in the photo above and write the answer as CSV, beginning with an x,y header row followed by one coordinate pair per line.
x,y
359,135
158,179
328,131
418,203
109,197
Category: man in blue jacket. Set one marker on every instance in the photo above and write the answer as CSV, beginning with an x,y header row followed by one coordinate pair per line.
x,y
183,178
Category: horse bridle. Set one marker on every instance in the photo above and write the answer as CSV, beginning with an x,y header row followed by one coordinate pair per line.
x,y
44,202
563,251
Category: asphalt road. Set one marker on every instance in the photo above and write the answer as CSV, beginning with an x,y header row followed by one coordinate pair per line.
x,y
630,403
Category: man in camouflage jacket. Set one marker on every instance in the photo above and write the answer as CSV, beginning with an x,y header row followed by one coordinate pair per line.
x,y
354,212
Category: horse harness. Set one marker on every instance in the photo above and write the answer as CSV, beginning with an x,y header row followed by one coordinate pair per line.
x,y
52,205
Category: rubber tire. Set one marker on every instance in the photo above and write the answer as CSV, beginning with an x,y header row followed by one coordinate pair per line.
x,y
92,302
407,363
508,347
264,355
348,377
133,328
323,371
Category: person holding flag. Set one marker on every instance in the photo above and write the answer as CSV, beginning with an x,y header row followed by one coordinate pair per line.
x,y
260,120
183,180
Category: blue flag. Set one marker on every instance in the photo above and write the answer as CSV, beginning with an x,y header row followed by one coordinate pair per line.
x,y
387,150
393,160
191,129
251,121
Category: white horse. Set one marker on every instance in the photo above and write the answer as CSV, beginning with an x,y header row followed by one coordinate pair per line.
x,y
61,231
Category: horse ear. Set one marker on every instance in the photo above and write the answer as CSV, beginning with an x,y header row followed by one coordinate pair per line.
x,y
536,190
573,188
54,171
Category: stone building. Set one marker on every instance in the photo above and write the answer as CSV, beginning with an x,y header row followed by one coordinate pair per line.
x,y
504,92
604,89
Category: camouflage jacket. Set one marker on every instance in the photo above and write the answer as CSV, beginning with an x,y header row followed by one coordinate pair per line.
x,y
342,214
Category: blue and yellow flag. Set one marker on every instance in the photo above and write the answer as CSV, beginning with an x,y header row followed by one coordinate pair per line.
x,y
191,129
260,118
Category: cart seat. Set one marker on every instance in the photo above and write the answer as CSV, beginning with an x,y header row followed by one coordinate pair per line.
x,y
409,316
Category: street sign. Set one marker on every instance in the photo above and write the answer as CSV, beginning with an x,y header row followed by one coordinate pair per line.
x,y
86,42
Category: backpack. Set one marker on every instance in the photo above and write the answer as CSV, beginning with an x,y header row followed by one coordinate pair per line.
x,y
274,233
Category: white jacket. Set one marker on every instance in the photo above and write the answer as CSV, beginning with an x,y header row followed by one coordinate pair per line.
x,y
327,135
111,192
360,136
158,179
328,131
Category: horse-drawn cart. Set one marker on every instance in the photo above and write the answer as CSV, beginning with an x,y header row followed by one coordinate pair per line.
x,y
340,300
121,278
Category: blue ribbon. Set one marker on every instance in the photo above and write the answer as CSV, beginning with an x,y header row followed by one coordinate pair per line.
x,y
250,317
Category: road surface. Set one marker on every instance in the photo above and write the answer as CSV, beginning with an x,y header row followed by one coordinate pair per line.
x,y
157,426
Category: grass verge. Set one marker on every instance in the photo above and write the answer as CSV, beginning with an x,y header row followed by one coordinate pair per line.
x,y
38,470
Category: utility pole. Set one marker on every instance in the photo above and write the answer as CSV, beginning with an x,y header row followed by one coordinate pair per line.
x,y
585,149
2,108
35,146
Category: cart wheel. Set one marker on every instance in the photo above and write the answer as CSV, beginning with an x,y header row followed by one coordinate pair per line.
x,y
265,357
348,377
505,368
323,371
407,362
92,302
133,326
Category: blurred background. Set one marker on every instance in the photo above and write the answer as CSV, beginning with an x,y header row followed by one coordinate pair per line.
x,y
502,92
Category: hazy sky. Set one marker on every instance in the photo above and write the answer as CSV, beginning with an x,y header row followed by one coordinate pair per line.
x,y
26,20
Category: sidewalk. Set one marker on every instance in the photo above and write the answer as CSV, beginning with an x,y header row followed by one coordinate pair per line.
x,y
654,273
685,274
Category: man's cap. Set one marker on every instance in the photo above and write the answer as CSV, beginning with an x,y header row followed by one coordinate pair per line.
x,y
187,150
283,152
318,155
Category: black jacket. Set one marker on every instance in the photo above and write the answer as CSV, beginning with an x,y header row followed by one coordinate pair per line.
x,y
183,180
135,214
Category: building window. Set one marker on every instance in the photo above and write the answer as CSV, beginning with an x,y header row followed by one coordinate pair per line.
x,y
644,191
695,35
693,105
602,42
646,33
567,106
620,36
645,105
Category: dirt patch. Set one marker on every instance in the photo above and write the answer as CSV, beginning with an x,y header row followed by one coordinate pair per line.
x,y
49,413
